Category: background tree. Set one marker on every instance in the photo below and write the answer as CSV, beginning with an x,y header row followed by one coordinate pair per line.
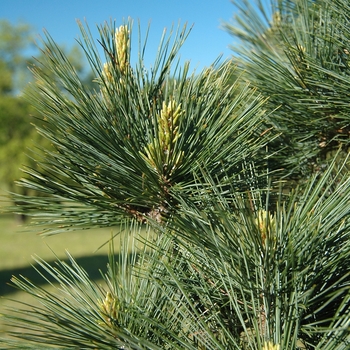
x,y
18,136
16,131
15,42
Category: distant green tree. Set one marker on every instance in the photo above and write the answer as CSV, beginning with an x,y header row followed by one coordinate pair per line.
x,y
15,39
6,78
18,137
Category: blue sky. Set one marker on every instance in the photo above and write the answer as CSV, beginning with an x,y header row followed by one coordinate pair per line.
x,y
206,42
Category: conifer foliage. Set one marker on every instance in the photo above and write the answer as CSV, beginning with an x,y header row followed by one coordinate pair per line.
x,y
211,255
124,149
296,53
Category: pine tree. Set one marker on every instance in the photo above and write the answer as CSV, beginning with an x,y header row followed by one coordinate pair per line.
x,y
178,161
143,138
296,53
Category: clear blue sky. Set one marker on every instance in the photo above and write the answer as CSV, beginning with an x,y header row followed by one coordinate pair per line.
x,y
205,43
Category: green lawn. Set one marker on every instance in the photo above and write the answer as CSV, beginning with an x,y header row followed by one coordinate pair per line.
x,y
17,246
19,243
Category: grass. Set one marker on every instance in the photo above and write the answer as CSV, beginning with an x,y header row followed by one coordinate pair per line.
x,y
17,246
